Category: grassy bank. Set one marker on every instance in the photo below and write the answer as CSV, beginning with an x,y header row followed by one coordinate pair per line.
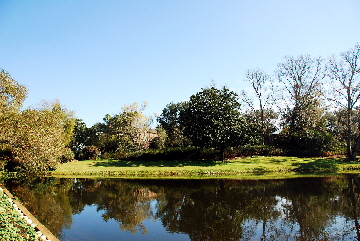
x,y
250,167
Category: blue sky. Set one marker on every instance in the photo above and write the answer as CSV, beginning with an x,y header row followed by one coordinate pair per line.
x,y
96,56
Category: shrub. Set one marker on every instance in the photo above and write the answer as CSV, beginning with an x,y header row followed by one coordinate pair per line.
x,y
306,143
259,150
175,153
195,153
91,152
68,156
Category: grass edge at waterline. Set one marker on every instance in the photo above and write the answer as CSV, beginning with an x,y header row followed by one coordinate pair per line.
x,y
249,167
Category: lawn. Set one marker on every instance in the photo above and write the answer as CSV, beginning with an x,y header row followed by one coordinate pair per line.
x,y
250,167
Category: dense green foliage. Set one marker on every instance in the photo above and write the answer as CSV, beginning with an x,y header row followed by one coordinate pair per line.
x,y
213,119
190,153
169,120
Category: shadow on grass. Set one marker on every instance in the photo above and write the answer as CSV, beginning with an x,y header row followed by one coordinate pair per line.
x,y
120,163
317,165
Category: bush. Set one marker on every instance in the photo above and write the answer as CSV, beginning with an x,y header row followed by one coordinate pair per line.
x,y
259,150
194,153
68,156
175,153
306,143
91,152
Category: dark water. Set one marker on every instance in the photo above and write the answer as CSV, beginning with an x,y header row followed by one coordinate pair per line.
x,y
119,209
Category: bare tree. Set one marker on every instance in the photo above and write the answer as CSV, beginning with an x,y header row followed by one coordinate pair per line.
x,y
345,73
261,84
301,79
301,86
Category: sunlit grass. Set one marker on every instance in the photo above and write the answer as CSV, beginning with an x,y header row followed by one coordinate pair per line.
x,y
266,167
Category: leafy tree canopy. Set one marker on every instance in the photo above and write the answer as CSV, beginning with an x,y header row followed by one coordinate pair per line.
x,y
213,119
31,140
169,121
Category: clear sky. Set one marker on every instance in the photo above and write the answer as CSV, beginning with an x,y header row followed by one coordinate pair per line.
x,y
96,56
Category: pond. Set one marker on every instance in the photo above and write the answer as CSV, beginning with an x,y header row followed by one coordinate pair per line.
x,y
325,208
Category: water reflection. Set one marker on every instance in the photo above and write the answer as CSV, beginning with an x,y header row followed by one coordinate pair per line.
x,y
291,209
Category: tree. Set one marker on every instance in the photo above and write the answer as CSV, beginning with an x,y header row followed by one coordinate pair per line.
x,y
12,94
345,73
260,134
82,138
34,140
38,138
336,124
213,119
303,122
169,120
301,79
264,115
124,132
159,142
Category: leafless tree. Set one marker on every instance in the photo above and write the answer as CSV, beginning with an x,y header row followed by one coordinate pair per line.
x,y
301,79
261,84
345,75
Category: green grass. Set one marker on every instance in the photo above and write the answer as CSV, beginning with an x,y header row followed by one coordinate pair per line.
x,y
250,167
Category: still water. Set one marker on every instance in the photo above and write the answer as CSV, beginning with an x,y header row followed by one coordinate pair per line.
x,y
121,209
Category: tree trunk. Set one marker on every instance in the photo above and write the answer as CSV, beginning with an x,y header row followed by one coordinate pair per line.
x,y
262,124
355,149
222,154
348,149
349,153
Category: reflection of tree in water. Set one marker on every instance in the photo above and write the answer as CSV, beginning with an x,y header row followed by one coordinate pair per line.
x,y
347,204
216,211
298,209
126,202
308,207
301,209
53,201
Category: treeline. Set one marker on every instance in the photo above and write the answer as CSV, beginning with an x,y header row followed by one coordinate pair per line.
x,y
308,107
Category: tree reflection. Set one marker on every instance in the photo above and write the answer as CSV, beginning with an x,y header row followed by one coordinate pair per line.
x,y
129,205
223,211
301,209
126,202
